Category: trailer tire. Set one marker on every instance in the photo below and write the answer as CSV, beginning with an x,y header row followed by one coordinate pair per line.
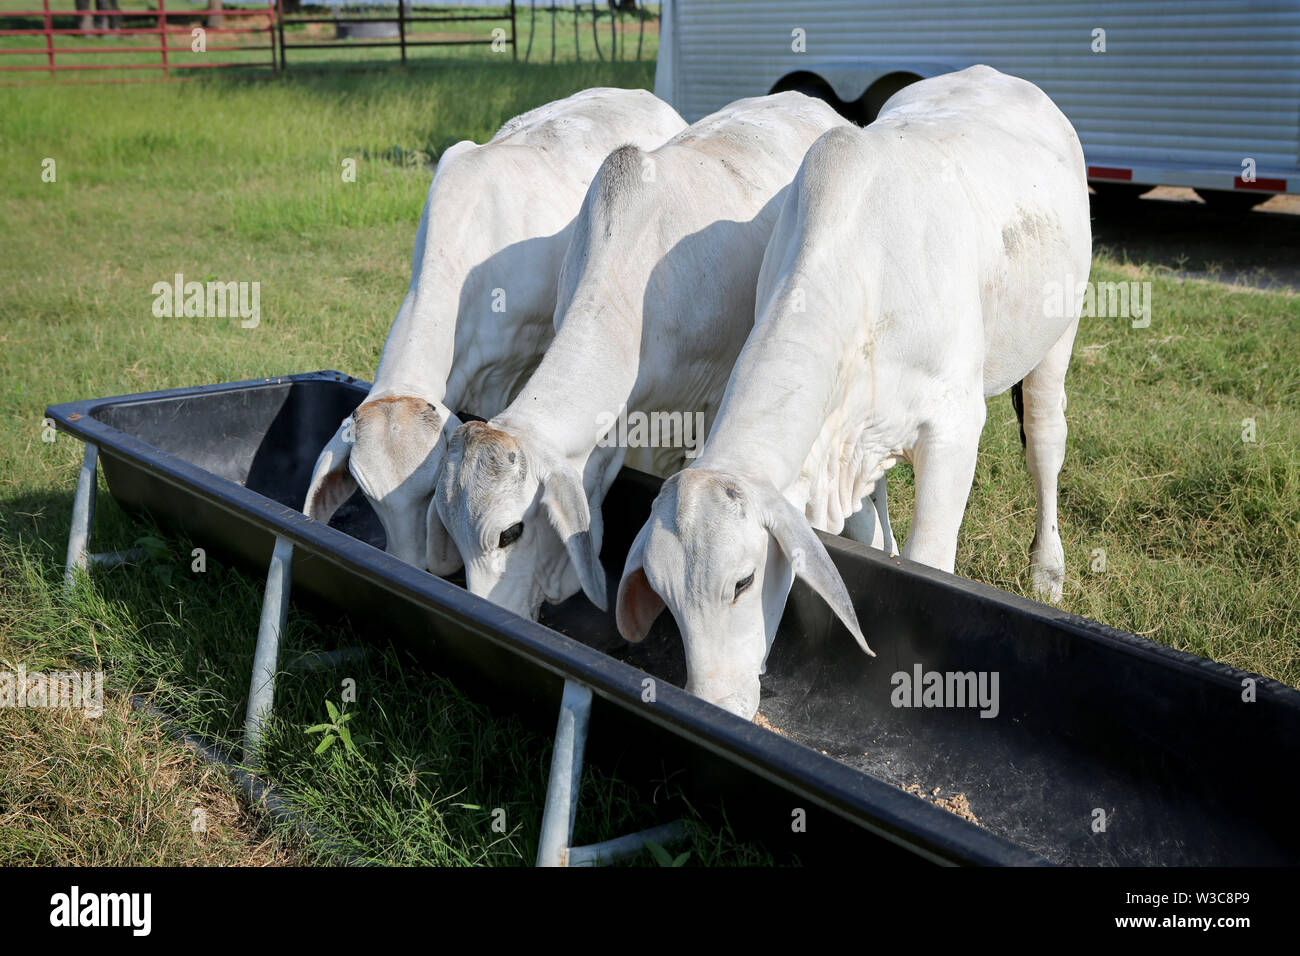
x,y
810,84
870,102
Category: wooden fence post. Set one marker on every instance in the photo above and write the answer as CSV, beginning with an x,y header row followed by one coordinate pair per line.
x,y
279,11
49,36
162,35
401,28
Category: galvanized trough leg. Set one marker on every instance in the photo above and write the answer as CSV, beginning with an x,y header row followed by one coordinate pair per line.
x,y
83,516
79,557
266,658
566,776
555,847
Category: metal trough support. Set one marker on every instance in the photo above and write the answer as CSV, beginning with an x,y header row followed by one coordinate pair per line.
x,y
275,603
559,815
554,846
83,522
266,657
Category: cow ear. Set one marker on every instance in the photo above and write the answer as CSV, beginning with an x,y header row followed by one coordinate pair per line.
x,y
565,501
810,561
331,481
637,605
443,557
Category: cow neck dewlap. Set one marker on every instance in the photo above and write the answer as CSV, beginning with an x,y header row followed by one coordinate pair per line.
x,y
853,446
806,432
839,471
826,479
775,405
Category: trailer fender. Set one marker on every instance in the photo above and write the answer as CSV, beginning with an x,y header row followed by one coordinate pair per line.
x,y
861,87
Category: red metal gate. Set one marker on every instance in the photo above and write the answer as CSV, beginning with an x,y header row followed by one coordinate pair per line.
x,y
261,21
172,59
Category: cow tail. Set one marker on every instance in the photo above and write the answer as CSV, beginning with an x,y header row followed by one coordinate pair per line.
x,y
1018,403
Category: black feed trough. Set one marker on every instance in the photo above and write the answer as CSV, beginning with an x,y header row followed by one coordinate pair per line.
x,y
1093,726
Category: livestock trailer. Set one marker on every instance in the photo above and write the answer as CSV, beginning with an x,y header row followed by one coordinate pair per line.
x,y
1094,747
1200,93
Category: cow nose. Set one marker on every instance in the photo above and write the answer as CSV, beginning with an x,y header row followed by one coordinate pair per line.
x,y
506,593
739,705
404,542
743,705
411,555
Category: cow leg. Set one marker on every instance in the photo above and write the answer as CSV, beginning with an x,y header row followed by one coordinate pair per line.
x,y
1044,426
880,499
943,461
869,525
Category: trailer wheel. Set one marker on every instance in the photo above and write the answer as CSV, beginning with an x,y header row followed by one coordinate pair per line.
x,y
870,102
810,84
1232,203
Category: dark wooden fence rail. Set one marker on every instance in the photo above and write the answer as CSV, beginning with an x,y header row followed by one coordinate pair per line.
x,y
401,19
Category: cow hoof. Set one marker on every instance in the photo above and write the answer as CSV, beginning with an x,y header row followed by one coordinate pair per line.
x,y
1047,571
1049,584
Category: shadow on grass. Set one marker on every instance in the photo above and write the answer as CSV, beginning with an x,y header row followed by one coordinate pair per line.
x,y
1260,248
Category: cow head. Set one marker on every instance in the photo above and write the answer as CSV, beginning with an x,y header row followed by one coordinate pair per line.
x,y
392,448
721,553
519,517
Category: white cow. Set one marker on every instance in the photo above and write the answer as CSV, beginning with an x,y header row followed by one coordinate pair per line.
x,y
656,299
905,281
478,314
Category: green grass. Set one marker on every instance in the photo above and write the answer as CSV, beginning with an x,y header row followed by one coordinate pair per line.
x,y
241,181
80,791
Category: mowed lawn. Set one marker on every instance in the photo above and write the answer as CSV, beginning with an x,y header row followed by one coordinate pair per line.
x,y
1200,529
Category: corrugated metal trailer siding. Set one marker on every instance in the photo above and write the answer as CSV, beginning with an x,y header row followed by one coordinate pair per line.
x,y
1196,84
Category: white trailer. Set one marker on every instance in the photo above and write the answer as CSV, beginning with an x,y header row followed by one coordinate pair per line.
x,y
1199,93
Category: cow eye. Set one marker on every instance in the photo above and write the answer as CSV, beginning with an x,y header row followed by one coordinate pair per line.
x,y
743,584
511,535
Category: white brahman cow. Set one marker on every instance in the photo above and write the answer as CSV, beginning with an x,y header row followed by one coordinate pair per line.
x,y
905,281
478,314
656,299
